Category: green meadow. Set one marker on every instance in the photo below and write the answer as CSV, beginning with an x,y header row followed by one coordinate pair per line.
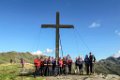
x,y
14,72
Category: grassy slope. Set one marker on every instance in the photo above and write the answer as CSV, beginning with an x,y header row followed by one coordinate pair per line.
x,y
5,57
12,72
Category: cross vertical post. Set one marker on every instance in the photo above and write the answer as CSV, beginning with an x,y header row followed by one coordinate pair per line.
x,y
57,35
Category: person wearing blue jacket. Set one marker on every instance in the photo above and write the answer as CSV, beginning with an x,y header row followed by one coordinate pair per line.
x,y
87,64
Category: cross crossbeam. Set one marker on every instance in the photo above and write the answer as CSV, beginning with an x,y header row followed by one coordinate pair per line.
x,y
54,26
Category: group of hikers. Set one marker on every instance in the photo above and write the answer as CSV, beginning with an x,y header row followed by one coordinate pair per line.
x,y
63,66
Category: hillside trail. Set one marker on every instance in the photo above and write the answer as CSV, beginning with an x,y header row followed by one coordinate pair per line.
x,y
5,64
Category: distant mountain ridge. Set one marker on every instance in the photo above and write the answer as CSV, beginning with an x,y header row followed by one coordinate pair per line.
x,y
111,65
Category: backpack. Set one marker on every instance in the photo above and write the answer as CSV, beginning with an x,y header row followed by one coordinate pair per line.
x,y
92,58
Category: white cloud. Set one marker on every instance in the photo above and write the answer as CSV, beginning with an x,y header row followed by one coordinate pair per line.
x,y
117,32
95,25
37,53
116,55
48,50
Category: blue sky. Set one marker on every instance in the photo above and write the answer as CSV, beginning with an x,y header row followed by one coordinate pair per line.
x,y
96,22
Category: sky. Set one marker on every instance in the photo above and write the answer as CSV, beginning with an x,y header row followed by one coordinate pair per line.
x,y
96,26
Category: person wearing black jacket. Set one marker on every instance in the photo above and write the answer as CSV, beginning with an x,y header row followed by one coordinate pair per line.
x,y
46,67
92,60
42,66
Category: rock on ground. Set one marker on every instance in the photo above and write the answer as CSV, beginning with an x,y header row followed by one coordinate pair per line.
x,y
84,77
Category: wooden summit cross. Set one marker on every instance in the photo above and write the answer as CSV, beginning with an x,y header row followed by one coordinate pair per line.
x,y
57,26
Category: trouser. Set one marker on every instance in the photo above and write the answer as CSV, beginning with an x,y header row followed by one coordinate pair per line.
x,y
36,71
60,70
69,67
50,71
87,68
76,69
22,65
42,70
80,68
56,71
91,67
46,71
64,70
53,70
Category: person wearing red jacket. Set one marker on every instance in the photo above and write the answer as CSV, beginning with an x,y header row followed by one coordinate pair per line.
x,y
64,65
70,65
37,66
60,66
